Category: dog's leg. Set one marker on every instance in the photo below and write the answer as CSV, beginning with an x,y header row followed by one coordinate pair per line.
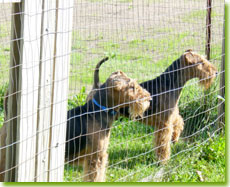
x,y
95,165
103,159
100,167
178,126
163,137
90,163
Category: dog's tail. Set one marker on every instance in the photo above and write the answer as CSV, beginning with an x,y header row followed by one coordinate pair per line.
x,y
96,83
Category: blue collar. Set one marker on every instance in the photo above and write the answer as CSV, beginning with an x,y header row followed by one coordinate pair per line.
x,y
112,112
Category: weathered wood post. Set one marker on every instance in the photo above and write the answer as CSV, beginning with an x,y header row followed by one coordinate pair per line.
x,y
11,124
40,55
221,103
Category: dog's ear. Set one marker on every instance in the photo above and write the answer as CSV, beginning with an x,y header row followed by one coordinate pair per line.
x,y
193,58
119,80
189,59
118,73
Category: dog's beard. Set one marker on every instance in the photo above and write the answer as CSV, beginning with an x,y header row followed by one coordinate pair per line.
x,y
206,83
138,108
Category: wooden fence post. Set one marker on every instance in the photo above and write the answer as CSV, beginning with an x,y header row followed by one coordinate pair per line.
x,y
40,50
221,108
13,95
64,21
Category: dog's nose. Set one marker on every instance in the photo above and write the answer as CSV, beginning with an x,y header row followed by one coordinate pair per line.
x,y
217,73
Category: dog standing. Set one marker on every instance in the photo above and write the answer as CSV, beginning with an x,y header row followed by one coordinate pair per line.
x,y
165,91
88,126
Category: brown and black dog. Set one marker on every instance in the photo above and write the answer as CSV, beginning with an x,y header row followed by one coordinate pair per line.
x,y
88,126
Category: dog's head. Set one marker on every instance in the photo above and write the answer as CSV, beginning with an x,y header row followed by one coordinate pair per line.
x,y
127,92
197,66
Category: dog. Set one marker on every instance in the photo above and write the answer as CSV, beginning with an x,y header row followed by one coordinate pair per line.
x,y
88,126
165,91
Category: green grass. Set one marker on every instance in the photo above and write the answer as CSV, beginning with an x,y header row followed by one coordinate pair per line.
x,y
77,100
208,158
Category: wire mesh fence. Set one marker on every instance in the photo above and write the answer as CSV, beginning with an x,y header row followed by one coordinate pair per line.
x,y
63,120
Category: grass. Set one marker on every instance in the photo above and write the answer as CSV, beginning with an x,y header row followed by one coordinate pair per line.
x,y
208,158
